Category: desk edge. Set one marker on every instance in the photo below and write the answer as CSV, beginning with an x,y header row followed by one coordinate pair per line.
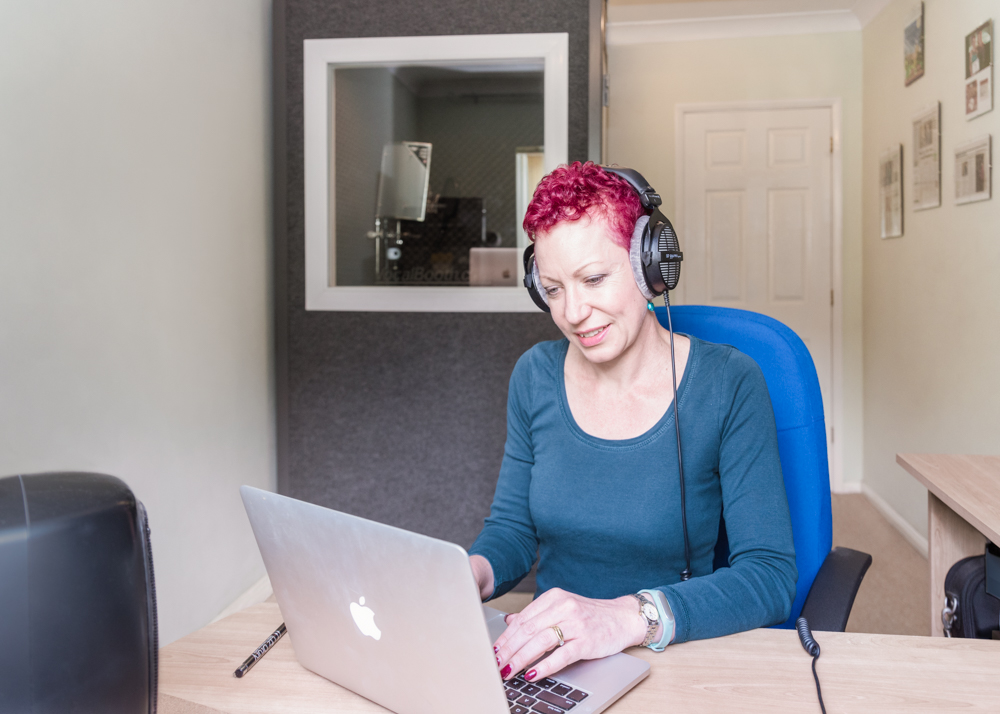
x,y
944,496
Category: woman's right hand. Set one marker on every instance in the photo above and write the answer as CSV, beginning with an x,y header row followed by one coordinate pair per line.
x,y
482,571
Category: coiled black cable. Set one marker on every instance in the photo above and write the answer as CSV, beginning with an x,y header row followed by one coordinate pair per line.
x,y
812,647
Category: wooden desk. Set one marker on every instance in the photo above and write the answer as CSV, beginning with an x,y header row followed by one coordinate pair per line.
x,y
757,671
963,510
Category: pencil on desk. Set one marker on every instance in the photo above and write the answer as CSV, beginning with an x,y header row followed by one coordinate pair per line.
x,y
260,651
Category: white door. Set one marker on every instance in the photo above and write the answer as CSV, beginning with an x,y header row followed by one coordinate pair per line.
x,y
756,207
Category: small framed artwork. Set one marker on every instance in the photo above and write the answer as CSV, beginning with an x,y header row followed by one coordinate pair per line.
x,y
913,44
927,158
890,168
973,170
979,70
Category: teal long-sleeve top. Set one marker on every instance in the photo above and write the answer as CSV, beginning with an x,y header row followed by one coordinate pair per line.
x,y
604,515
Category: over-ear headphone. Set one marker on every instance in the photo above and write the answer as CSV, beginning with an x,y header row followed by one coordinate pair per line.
x,y
656,258
655,253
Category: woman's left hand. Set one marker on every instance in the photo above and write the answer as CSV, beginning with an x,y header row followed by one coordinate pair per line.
x,y
590,629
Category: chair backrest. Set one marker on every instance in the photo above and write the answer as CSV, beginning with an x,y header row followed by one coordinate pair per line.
x,y
798,413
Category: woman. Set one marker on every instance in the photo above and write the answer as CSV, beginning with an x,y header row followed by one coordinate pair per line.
x,y
589,478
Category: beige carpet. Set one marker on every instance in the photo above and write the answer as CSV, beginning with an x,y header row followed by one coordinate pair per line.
x,y
894,597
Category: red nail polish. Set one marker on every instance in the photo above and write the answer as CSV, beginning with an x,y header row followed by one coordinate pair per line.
x,y
498,660
495,649
505,671
531,674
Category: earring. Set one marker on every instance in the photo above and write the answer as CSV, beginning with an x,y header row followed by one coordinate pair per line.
x,y
649,305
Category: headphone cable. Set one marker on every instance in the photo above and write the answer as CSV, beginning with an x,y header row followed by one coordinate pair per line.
x,y
811,646
819,692
686,573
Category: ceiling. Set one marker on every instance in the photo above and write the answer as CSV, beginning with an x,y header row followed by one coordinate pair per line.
x,y
718,8
634,21
752,5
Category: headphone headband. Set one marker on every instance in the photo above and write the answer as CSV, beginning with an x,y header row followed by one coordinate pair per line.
x,y
649,198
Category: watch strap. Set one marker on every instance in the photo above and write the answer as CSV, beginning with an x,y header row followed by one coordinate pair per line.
x,y
666,619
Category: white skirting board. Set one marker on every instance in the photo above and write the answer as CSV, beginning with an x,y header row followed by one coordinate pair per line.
x,y
911,534
849,487
256,593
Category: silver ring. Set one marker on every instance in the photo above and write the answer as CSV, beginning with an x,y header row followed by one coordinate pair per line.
x,y
559,634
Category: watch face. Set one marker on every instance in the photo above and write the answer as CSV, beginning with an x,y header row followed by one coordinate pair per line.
x,y
650,612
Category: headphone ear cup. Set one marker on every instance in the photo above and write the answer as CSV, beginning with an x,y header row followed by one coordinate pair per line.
x,y
532,281
537,282
667,241
660,255
635,257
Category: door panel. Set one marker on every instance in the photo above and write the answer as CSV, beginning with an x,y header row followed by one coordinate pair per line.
x,y
724,235
724,149
757,220
787,222
787,148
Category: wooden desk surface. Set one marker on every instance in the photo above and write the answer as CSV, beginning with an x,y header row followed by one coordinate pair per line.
x,y
969,485
757,671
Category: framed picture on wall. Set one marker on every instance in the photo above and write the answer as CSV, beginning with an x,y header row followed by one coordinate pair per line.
x,y
973,170
913,44
890,169
979,70
927,158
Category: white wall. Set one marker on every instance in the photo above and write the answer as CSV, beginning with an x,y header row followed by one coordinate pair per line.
x,y
932,303
135,330
649,80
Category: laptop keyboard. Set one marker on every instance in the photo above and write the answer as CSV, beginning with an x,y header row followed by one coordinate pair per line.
x,y
546,696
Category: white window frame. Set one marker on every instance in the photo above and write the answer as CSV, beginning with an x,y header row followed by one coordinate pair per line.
x,y
320,58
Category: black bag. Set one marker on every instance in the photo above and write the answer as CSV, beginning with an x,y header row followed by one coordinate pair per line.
x,y
969,611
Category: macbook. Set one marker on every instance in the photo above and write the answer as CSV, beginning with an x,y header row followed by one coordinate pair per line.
x,y
396,617
495,267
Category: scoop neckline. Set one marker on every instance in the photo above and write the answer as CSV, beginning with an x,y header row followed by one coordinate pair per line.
x,y
651,433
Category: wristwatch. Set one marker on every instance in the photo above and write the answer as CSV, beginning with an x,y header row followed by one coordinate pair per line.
x,y
666,619
651,615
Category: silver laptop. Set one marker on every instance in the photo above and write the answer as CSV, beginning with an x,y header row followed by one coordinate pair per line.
x,y
493,267
396,617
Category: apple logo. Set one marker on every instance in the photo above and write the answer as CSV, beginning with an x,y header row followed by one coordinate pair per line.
x,y
364,618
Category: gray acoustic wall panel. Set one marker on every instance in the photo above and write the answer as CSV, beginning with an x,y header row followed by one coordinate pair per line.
x,y
398,417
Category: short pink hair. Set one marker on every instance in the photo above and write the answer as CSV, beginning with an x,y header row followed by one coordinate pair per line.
x,y
583,189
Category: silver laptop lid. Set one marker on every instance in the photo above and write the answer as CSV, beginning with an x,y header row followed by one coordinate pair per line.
x,y
392,615
493,266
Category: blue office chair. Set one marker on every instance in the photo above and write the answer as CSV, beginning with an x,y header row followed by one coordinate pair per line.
x,y
828,580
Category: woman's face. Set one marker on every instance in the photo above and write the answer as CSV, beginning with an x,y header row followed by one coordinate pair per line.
x,y
591,291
